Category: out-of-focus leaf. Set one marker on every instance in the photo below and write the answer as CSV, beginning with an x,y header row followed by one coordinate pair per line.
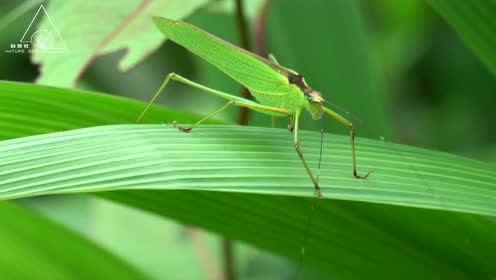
x,y
157,246
250,8
35,248
474,22
92,28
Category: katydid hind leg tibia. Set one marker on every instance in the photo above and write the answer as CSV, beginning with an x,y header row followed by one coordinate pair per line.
x,y
234,101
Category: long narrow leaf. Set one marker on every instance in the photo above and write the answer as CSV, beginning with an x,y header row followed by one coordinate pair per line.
x,y
240,159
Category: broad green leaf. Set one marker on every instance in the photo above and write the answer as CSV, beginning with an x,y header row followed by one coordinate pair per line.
x,y
238,159
344,238
232,181
36,248
93,28
27,109
474,22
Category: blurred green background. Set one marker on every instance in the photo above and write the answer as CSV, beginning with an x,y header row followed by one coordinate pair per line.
x,y
397,66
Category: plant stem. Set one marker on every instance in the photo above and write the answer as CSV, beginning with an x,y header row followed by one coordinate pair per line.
x,y
244,43
259,29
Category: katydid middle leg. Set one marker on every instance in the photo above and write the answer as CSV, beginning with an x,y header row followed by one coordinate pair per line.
x,y
296,127
291,124
249,105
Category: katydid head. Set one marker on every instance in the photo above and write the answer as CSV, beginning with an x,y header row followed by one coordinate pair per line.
x,y
314,105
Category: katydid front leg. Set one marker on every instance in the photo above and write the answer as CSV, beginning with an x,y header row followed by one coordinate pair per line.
x,y
347,123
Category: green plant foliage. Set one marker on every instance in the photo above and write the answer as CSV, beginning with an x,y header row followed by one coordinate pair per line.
x,y
119,26
159,247
343,238
403,175
27,110
474,22
52,252
234,159
232,181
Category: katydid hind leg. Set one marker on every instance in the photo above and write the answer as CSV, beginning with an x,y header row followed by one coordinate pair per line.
x,y
296,118
155,96
181,79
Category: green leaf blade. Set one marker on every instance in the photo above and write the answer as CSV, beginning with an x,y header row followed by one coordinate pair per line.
x,y
237,159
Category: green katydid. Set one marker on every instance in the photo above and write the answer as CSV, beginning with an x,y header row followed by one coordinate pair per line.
x,y
279,91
